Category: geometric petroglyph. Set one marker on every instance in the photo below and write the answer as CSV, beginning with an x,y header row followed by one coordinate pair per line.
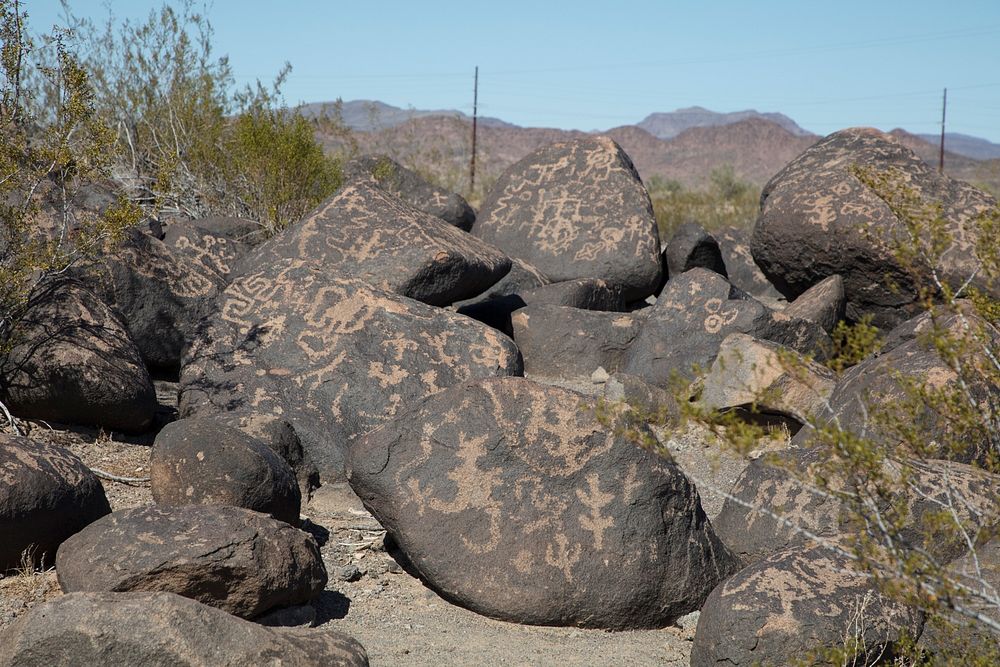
x,y
514,500
334,357
576,210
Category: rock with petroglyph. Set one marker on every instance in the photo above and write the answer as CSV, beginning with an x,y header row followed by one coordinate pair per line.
x,y
129,629
694,314
691,247
577,209
280,436
409,186
336,358
818,219
772,378
160,294
205,462
824,303
584,293
74,362
368,234
796,604
46,495
564,342
512,499
210,249
741,270
882,382
777,503
238,560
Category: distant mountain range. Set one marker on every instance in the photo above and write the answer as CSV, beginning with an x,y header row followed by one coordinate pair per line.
x,y
669,125
685,145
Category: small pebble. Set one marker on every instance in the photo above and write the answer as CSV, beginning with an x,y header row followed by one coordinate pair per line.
x,y
349,573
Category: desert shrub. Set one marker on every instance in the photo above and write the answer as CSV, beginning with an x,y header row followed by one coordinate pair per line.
x,y
725,202
45,158
187,141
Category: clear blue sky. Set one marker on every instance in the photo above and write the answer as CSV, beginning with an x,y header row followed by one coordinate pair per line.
x,y
594,65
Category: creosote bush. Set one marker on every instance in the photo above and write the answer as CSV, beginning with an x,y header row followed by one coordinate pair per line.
x,y
726,202
187,141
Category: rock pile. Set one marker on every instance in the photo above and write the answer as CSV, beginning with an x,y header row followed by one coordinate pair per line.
x,y
383,339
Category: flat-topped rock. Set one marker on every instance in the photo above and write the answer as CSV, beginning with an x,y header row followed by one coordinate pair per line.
x,y
365,233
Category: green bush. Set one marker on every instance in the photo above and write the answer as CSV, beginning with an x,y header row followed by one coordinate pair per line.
x,y
187,141
726,202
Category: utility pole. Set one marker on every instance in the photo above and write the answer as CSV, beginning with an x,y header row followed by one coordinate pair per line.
x,y
475,103
944,107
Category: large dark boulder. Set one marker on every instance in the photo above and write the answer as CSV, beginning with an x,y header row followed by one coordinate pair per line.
x,y
409,186
576,210
46,495
232,558
694,314
74,362
510,498
336,358
129,629
367,234
160,294
564,342
522,277
204,462
819,219
790,607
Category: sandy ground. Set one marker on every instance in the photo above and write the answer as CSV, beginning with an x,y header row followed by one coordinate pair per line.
x,y
371,597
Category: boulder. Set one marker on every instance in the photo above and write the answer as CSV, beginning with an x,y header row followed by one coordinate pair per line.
x,y
773,378
563,342
160,294
74,362
741,270
692,247
641,397
775,504
871,396
127,629
824,303
792,606
232,558
396,179
239,230
585,293
46,495
204,462
511,499
335,358
576,209
210,249
367,234
694,314
280,436
819,219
